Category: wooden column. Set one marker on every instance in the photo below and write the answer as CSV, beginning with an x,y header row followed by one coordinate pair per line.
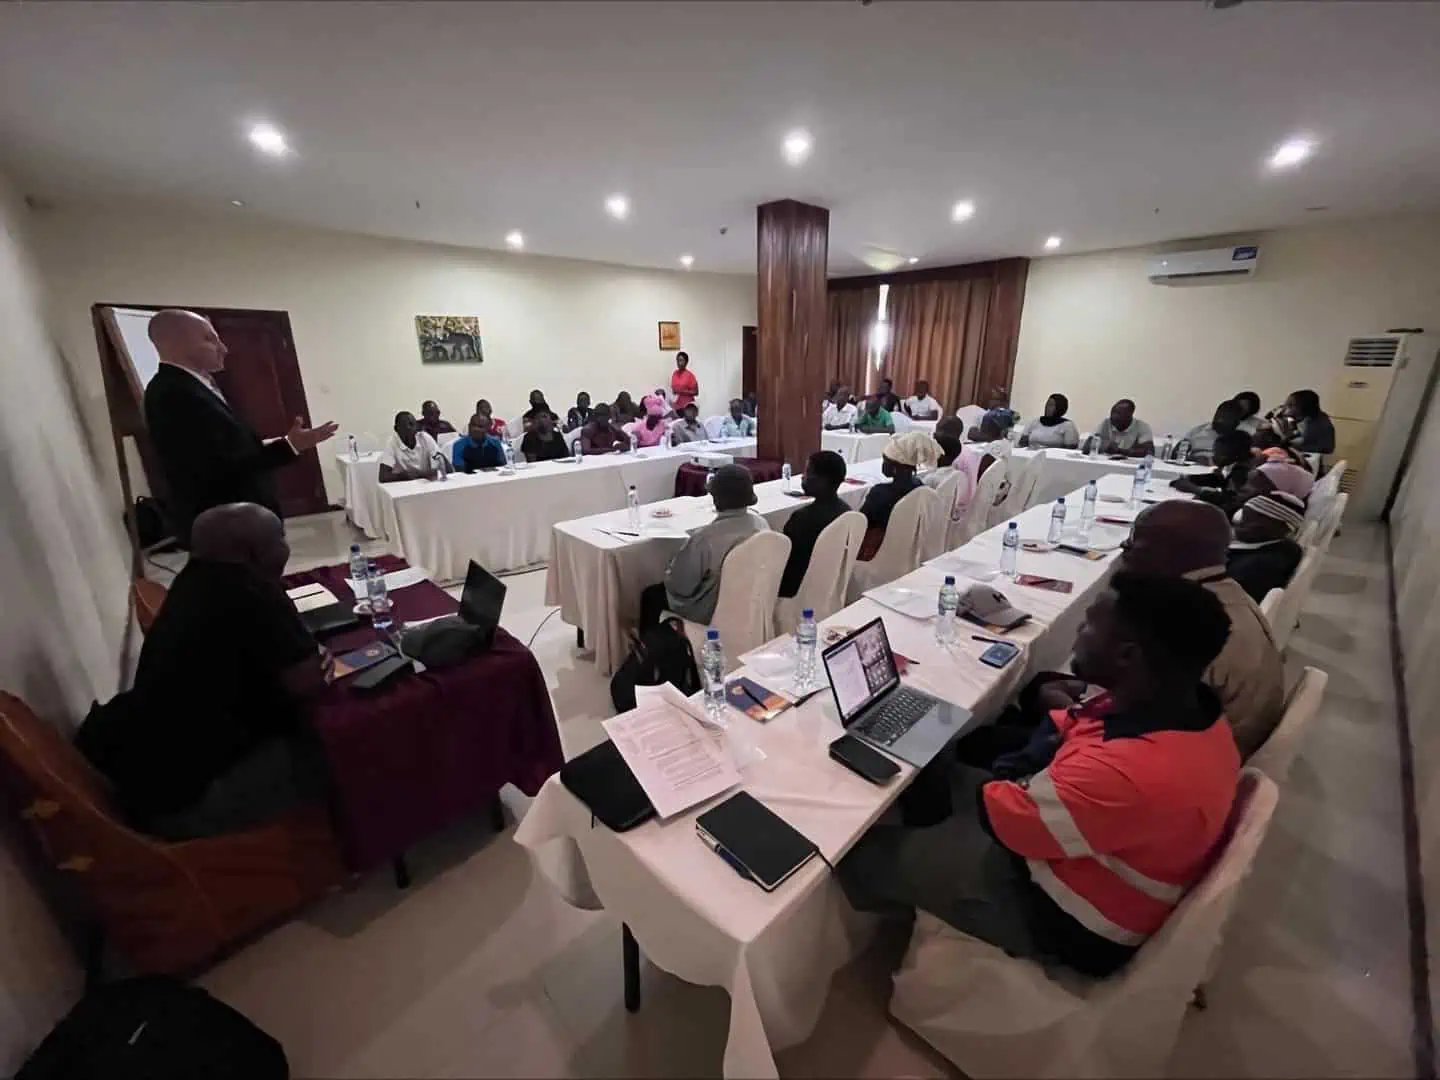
x,y
792,243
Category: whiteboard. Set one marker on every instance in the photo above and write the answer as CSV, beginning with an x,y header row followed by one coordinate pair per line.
x,y
134,333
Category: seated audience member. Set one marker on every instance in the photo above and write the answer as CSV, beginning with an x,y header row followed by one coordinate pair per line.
x,y
889,400
601,434
688,428
839,411
1249,402
1077,847
970,460
538,404
1226,487
921,405
477,449
431,423
1121,433
692,580
624,409
1192,540
211,738
1052,428
824,473
1283,476
651,430
493,424
902,457
579,414
410,454
874,418
998,401
1304,426
990,433
1202,437
683,385
737,425
1264,554
1271,447
543,442
751,404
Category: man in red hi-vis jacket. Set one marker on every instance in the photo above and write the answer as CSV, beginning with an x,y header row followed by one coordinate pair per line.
x,y
1096,828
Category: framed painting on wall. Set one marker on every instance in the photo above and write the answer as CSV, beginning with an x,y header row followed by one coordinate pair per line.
x,y
449,339
669,336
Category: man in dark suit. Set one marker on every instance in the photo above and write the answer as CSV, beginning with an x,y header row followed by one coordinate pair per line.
x,y
210,456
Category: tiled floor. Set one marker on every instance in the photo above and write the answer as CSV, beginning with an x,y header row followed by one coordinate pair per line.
x,y
480,970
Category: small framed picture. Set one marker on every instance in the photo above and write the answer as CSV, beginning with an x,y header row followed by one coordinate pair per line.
x,y
669,336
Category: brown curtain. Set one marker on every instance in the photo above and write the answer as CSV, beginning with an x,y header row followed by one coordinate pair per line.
x,y
852,314
958,333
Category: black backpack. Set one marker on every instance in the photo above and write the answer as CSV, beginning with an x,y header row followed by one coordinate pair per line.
x,y
661,654
155,1028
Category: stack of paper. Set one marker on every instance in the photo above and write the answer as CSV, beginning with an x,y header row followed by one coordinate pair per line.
x,y
309,597
677,763
396,579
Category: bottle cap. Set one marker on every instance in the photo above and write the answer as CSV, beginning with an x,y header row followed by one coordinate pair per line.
x,y
712,634
354,549
949,579
808,613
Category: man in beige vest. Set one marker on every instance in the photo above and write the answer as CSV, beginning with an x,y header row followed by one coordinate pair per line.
x,y
1191,540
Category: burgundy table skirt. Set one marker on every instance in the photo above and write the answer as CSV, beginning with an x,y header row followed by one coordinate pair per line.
x,y
426,750
690,478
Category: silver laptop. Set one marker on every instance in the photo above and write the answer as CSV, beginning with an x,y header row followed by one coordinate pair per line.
x,y
876,709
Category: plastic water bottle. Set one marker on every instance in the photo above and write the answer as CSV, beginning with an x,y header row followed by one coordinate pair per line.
x,y
354,449
712,667
442,467
1137,486
785,476
806,635
359,565
948,605
1057,522
1087,508
381,611
632,506
634,446
1182,451
1010,549
1149,464
1092,445
852,423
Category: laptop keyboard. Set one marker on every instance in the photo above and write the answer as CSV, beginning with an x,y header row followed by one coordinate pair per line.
x,y
900,712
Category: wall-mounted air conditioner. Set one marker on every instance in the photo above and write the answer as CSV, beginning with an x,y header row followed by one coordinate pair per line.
x,y
1232,262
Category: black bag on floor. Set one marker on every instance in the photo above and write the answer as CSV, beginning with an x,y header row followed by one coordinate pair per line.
x,y
661,655
155,1028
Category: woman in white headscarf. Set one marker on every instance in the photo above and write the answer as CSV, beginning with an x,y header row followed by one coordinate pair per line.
x,y
902,457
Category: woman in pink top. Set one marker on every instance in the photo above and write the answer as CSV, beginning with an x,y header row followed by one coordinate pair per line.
x,y
683,384
649,431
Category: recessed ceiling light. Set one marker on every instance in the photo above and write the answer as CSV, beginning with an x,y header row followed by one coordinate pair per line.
x,y
618,207
1052,242
797,146
913,259
1291,153
962,211
687,261
237,202
269,139
515,239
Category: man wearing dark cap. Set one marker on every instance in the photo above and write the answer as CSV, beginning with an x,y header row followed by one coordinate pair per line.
x,y
692,580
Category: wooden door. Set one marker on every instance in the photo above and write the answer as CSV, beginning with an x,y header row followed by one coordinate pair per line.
x,y
747,359
262,382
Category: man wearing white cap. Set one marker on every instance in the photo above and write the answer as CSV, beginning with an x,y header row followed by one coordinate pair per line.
x,y
1264,554
902,456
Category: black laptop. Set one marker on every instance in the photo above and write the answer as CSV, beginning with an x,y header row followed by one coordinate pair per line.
x,y
482,600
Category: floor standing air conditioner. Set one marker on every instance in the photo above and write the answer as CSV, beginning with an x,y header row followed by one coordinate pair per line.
x,y
1383,381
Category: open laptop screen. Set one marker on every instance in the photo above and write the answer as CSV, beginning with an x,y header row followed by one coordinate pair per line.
x,y
483,598
861,668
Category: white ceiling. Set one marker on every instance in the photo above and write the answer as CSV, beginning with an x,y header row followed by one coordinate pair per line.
x,y
1108,123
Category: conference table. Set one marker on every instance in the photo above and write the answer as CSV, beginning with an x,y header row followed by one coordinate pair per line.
x,y
856,446
596,575
503,519
775,952
426,750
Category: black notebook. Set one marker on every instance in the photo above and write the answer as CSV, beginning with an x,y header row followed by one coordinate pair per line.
x,y
601,780
755,841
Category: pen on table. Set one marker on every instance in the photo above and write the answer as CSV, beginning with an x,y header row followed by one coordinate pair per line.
x,y
988,640
746,690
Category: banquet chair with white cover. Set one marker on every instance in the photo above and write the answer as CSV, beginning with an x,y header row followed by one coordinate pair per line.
x,y
901,422
1276,753
907,537
749,584
1287,612
714,425
827,578
970,415
1023,479
1270,605
977,515
995,1016
946,492
1329,522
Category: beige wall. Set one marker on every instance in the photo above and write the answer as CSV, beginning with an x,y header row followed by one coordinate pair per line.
x,y
557,324
1095,328
63,580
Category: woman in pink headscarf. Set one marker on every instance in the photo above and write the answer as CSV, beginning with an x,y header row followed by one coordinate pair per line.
x,y
1282,476
650,429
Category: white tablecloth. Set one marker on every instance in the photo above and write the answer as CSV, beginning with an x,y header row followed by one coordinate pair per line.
x,y
362,491
775,952
504,522
596,578
1065,470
